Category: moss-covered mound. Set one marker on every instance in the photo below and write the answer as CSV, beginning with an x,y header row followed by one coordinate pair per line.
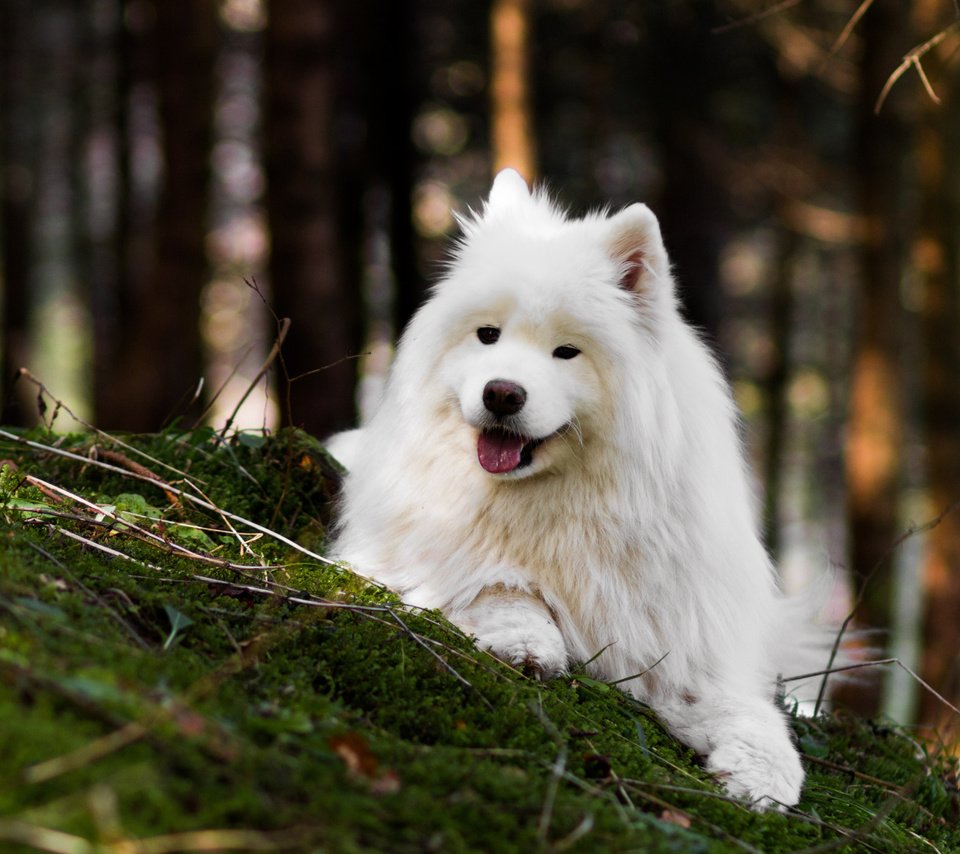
x,y
181,671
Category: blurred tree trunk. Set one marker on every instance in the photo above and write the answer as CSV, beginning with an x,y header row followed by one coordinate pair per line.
x,y
936,257
691,205
390,108
776,382
111,296
376,159
160,360
874,423
17,182
512,139
306,269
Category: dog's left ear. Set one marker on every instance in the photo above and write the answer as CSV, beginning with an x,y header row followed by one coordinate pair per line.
x,y
634,241
509,190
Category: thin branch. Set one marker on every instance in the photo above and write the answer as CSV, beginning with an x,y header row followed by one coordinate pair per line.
x,y
167,487
849,27
912,58
913,530
776,9
271,357
42,389
323,368
877,663
546,812
926,82
316,602
223,385
440,659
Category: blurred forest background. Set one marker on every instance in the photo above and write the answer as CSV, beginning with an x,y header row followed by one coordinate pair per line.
x,y
177,176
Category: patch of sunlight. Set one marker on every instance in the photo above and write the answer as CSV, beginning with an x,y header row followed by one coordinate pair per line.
x,y
61,353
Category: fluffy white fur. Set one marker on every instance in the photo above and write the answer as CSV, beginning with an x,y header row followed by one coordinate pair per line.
x,y
628,532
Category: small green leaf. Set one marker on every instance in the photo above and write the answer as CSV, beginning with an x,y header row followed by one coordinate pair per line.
x,y
28,509
178,622
191,537
132,502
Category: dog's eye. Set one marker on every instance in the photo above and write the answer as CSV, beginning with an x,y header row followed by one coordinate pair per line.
x,y
566,353
488,334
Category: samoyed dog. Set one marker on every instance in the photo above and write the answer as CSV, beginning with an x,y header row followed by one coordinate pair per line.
x,y
555,464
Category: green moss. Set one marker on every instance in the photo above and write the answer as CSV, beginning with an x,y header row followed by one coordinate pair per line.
x,y
148,691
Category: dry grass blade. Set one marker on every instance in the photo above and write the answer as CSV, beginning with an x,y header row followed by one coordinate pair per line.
x,y
84,755
56,842
43,838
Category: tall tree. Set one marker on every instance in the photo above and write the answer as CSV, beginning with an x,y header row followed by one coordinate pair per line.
x,y
936,257
692,207
159,360
379,82
874,425
512,139
17,181
306,269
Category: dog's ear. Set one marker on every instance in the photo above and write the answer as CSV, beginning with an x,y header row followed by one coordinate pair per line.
x,y
508,190
634,241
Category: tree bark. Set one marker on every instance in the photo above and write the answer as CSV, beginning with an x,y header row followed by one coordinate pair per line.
x,y
874,422
160,365
306,266
17,182
936,258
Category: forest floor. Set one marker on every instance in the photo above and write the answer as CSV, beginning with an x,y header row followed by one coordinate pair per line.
x,y
181,670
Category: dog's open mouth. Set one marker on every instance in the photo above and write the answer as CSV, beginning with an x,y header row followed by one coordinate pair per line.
x,y
500,452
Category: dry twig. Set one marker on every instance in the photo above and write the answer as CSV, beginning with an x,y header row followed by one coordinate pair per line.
x,y
912,58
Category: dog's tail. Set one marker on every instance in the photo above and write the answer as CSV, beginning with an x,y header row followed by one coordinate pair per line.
x,y
813,654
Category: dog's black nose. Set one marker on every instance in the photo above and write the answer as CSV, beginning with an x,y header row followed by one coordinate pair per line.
x,y
502,397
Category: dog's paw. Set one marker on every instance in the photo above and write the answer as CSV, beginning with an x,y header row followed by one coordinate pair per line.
x,y
762,768
540,654
519,631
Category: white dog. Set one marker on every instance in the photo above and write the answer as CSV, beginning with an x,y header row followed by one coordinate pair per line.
x,y
555,464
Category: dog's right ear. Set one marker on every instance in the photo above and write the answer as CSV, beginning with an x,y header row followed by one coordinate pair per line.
x,y
636,244
509,190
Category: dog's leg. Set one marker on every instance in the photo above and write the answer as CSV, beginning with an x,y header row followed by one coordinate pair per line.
x,y
517,627
746,743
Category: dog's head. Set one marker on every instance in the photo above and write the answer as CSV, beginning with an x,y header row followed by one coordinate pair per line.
x,y
539,311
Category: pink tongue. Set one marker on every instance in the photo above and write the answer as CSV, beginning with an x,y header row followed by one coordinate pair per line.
x,y
499,452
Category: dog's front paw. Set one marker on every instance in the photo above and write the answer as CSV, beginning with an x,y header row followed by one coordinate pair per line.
x,y
517,629
762,768
539,653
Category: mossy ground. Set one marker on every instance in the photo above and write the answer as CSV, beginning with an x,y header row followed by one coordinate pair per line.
x,y
156,696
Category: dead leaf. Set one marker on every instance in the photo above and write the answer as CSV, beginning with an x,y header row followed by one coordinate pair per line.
x,y
353,749
676,817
